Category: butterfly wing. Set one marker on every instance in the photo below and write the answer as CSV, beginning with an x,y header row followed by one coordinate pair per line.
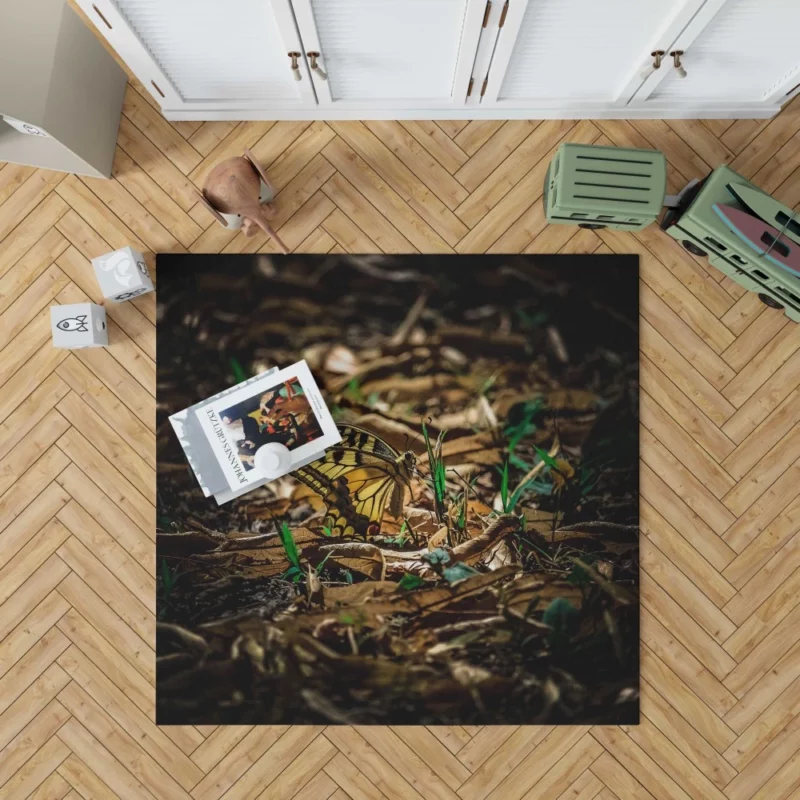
x,y
354,478
354,438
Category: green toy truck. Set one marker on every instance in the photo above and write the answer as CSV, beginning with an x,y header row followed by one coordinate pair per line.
x,y
605,187
700,230
625,189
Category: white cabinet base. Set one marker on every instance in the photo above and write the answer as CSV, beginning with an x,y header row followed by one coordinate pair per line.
x,y
682,111
448,59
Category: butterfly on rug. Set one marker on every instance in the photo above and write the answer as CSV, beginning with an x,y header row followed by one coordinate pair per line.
x,y
355,479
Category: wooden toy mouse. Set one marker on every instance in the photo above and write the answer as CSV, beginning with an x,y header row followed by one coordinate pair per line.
x,y
237,193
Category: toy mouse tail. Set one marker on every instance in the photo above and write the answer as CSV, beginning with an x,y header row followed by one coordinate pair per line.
x,y
270,231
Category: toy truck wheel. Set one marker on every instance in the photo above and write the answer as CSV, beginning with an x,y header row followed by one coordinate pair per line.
x,y
592,226
769,301
693,248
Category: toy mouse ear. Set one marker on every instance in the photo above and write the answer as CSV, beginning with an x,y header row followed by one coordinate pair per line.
x,y
257,167
214,213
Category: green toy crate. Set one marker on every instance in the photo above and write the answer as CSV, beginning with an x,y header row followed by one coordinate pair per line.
x,y
605,187
695,224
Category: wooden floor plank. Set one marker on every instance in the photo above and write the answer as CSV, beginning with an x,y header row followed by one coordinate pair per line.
x,y
107,586
684,592
567,771
108,478
31,738
685,701
29,232
371,764
12,176
689,336
353,782
32,191
493,153
31,630
95,701
284,160
476,133
521,782
29,668
437,143
681,408
100,652
767,726
503,761
159,131
686,377
31,593
356,208
114,447
146,191
498,183
384,198
681,554
783,674
209,135
435,213
155,164
33,555
106,772
664,428
36,778
237,761
427,169
691,634
104,222
119,634
764,364
670,729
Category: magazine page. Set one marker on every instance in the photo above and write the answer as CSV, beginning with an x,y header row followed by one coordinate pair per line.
x,y
285,407
197,447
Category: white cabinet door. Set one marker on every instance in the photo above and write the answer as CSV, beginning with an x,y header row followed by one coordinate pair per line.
x,y
390,53
208,54
578,54
734,51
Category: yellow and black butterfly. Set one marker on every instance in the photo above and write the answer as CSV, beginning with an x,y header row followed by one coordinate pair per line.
x,y
355,478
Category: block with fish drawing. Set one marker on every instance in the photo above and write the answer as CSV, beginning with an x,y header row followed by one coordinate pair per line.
x,y
79,325
122,274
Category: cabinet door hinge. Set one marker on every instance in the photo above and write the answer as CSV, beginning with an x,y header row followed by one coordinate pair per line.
x,y
487,12
469,88
483,88
503,15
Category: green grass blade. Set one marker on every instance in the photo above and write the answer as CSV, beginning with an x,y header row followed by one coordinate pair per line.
x,y
238,371
546,457
287,540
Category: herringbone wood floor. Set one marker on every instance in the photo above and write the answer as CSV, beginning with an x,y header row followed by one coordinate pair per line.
x,y
720,471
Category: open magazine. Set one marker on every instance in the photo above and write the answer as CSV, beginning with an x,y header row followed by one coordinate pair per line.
x,y
222,435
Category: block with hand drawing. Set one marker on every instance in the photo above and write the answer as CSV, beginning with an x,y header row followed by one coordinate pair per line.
x,y
122,274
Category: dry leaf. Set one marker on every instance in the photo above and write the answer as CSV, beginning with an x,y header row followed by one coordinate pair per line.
x,y
366,559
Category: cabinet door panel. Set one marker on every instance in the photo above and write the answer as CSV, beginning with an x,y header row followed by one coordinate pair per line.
x,y
748,51
391,52
209,54
562,52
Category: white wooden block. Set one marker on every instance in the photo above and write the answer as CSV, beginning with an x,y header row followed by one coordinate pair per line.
x,y
122,274
79,325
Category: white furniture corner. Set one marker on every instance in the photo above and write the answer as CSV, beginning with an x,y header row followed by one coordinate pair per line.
x,y
56,76
468,59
